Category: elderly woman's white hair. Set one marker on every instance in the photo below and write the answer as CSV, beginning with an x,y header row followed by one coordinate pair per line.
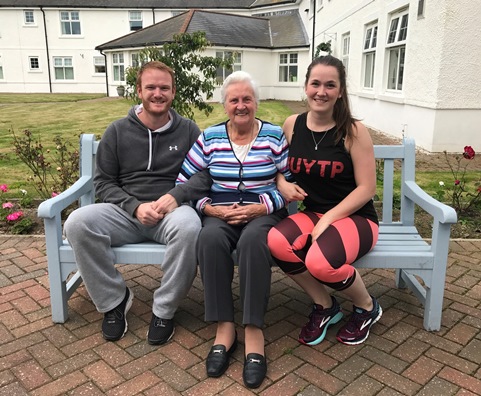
x,y
236,77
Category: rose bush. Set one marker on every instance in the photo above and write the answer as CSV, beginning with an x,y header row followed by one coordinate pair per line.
x,y
465,196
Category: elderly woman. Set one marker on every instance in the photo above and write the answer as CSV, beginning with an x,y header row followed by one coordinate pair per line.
x,y
243,156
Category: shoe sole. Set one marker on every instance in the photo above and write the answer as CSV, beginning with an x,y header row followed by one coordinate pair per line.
x,y
336,318
127,308
160,342
357,342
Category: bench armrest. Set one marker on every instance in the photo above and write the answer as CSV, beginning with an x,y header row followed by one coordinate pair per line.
x,y
442,213
53,207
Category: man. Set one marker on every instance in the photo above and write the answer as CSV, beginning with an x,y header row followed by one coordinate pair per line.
x,y
138,160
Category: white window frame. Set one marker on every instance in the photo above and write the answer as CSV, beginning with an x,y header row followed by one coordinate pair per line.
x,y
118,67
70,23
135,17
222,73
288,67
31,63
345,49
65,65
99,62
396,50
369,54
29,18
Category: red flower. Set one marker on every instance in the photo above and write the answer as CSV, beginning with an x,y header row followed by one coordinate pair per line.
x,y
468,152
456,182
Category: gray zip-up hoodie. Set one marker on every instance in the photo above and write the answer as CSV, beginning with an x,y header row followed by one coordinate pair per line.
x,y
136,165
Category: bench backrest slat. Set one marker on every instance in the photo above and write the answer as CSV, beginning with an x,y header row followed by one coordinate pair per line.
x,y
394,157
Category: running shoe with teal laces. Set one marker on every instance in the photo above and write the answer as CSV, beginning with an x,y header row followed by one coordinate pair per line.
x,y
320,319
356,330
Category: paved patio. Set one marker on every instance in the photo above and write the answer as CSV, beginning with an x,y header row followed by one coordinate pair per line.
x,y
38,357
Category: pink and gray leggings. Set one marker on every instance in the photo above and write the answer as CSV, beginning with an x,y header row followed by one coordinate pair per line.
x,y
329,259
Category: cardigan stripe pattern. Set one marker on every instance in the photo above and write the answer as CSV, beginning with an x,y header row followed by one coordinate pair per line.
x,y
267,156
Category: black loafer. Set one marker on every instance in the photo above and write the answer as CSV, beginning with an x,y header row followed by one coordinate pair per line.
x,y
255,370
218,359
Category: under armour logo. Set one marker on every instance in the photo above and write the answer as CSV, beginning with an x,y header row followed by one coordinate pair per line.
x,y
173,148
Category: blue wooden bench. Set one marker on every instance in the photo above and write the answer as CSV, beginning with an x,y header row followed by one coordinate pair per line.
x,y
420,264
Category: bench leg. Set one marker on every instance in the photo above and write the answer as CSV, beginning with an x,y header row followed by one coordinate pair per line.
x,y
58,299
400,284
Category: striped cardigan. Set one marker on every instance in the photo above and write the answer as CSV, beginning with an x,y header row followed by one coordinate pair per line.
x,y
266,158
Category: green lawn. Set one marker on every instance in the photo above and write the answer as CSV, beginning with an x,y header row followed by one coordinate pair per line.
x,y
69,115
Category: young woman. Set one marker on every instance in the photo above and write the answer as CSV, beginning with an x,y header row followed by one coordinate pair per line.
x,y
331,158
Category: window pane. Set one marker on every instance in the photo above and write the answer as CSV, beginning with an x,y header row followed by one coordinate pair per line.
x,y
135,15
401,68
1,72
74,16
57,61
367,41
59,74
374,38
392,31
75,27
283,73
29,17
68,61
369,70
283,58
292,73
293,58
404,28
393,68
34,64
64,16
69,73
66,28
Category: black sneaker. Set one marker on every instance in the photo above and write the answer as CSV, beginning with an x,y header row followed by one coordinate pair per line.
x,y
114,325
320,319
160,330
356,330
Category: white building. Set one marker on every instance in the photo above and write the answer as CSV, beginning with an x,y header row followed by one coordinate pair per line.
x,y
413,65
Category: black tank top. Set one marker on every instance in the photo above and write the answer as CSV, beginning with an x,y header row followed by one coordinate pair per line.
x,y
326,174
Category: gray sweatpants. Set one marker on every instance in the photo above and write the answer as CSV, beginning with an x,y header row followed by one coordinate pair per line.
x,y
92,230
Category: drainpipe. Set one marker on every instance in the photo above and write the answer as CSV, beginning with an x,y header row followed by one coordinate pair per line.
x,y
153,16
314,29
46,47
106,74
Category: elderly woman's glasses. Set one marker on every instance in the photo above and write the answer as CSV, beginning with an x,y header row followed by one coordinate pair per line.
x,y
241,186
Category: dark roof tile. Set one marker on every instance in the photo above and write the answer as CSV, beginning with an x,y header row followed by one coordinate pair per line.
x,y
222,30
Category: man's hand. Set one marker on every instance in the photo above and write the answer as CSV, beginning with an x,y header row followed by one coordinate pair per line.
x,y
165,204
147,215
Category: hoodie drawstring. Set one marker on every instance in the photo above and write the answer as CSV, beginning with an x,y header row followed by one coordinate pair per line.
x,y
149,165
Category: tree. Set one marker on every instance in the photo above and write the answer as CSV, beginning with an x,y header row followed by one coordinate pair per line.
x,y
195,74
324,47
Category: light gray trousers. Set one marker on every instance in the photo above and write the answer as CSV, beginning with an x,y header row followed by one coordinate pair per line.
x,y
93,229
